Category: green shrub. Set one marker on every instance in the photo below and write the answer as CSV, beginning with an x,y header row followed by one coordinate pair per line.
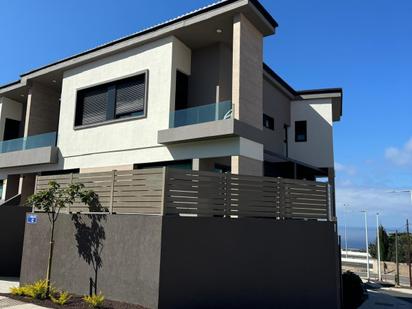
x,y
19,291
62,298
37,290
94,300
353,290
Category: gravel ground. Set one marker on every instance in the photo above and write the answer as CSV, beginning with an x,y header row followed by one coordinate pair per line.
x,y
75,302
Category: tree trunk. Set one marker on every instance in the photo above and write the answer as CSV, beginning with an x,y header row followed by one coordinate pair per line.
x,y
49,263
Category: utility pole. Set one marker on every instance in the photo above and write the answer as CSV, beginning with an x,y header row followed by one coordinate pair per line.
x,y
378,247
396,258
346,237
367,245
409,252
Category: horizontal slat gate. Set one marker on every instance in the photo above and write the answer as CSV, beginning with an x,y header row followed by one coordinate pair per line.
x,y
198,193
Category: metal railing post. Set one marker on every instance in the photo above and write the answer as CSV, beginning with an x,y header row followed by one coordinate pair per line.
x,y
112,192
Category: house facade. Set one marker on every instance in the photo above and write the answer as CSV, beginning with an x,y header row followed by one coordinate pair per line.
x,y
192,93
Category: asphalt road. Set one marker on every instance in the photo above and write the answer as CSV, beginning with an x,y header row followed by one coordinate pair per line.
x,y
402,296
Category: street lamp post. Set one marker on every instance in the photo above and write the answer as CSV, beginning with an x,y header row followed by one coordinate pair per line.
x,y
378,246
367,246
346,237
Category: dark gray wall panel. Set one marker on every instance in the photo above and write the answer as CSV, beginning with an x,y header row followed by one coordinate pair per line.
x,y
11,239
128,246
248,263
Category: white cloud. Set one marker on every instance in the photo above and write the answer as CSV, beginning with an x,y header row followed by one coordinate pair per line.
x,y
394,208
400,156
347,169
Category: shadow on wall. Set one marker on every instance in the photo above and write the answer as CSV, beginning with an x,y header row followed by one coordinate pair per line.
x,y
90,238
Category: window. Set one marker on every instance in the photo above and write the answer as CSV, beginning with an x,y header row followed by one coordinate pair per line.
x,y
116,100
300,131
268,122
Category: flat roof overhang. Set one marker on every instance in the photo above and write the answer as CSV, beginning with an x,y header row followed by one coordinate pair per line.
x,y
336,94
196,29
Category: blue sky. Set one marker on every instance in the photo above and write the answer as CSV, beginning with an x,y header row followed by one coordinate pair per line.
x,y
361,46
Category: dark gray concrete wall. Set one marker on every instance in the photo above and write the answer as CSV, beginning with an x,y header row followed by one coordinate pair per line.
x,y
211,68
126,249
248,263
12,220
277,105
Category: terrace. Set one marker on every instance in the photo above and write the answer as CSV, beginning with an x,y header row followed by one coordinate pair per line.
x,y
187,193
31,150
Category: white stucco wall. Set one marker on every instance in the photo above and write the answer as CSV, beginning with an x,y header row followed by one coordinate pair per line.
x,y
134,141
318,150
9,109
117,143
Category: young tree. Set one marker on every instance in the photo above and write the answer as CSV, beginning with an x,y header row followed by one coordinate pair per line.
x,y
52,200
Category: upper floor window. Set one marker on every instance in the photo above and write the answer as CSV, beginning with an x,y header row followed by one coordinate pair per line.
x,y
301,131
268,122
120,99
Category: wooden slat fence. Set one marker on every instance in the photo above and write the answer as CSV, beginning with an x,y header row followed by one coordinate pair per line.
x,y
192,193
134,191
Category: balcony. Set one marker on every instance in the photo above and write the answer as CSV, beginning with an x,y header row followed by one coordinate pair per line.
x,y
197,123
31,150
201,114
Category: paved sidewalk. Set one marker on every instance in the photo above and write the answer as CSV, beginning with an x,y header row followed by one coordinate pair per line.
x,y
5,285
380,300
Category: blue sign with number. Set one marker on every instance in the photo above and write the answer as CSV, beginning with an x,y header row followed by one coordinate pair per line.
x,y
32,219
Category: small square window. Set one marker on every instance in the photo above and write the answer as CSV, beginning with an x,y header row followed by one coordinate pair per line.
x,y
301,131
268,122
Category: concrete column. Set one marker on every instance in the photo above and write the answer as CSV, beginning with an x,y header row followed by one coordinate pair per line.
x,y
247,72
3,193
246,166
42,111
203,164
26,186
12,186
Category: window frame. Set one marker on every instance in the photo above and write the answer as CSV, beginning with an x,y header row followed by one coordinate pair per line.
x,y
114,120
266,116
306,131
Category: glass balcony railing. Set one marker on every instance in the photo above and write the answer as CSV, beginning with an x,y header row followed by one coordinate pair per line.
x,y
30,142
200,114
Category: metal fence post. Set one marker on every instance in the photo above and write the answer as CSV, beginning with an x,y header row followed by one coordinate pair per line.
x,y
71,182
33,210
329,199
164,189
282,199
227,198
112,192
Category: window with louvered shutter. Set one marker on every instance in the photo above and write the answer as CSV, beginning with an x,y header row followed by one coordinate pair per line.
x,y
119,99
130,97
93,106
